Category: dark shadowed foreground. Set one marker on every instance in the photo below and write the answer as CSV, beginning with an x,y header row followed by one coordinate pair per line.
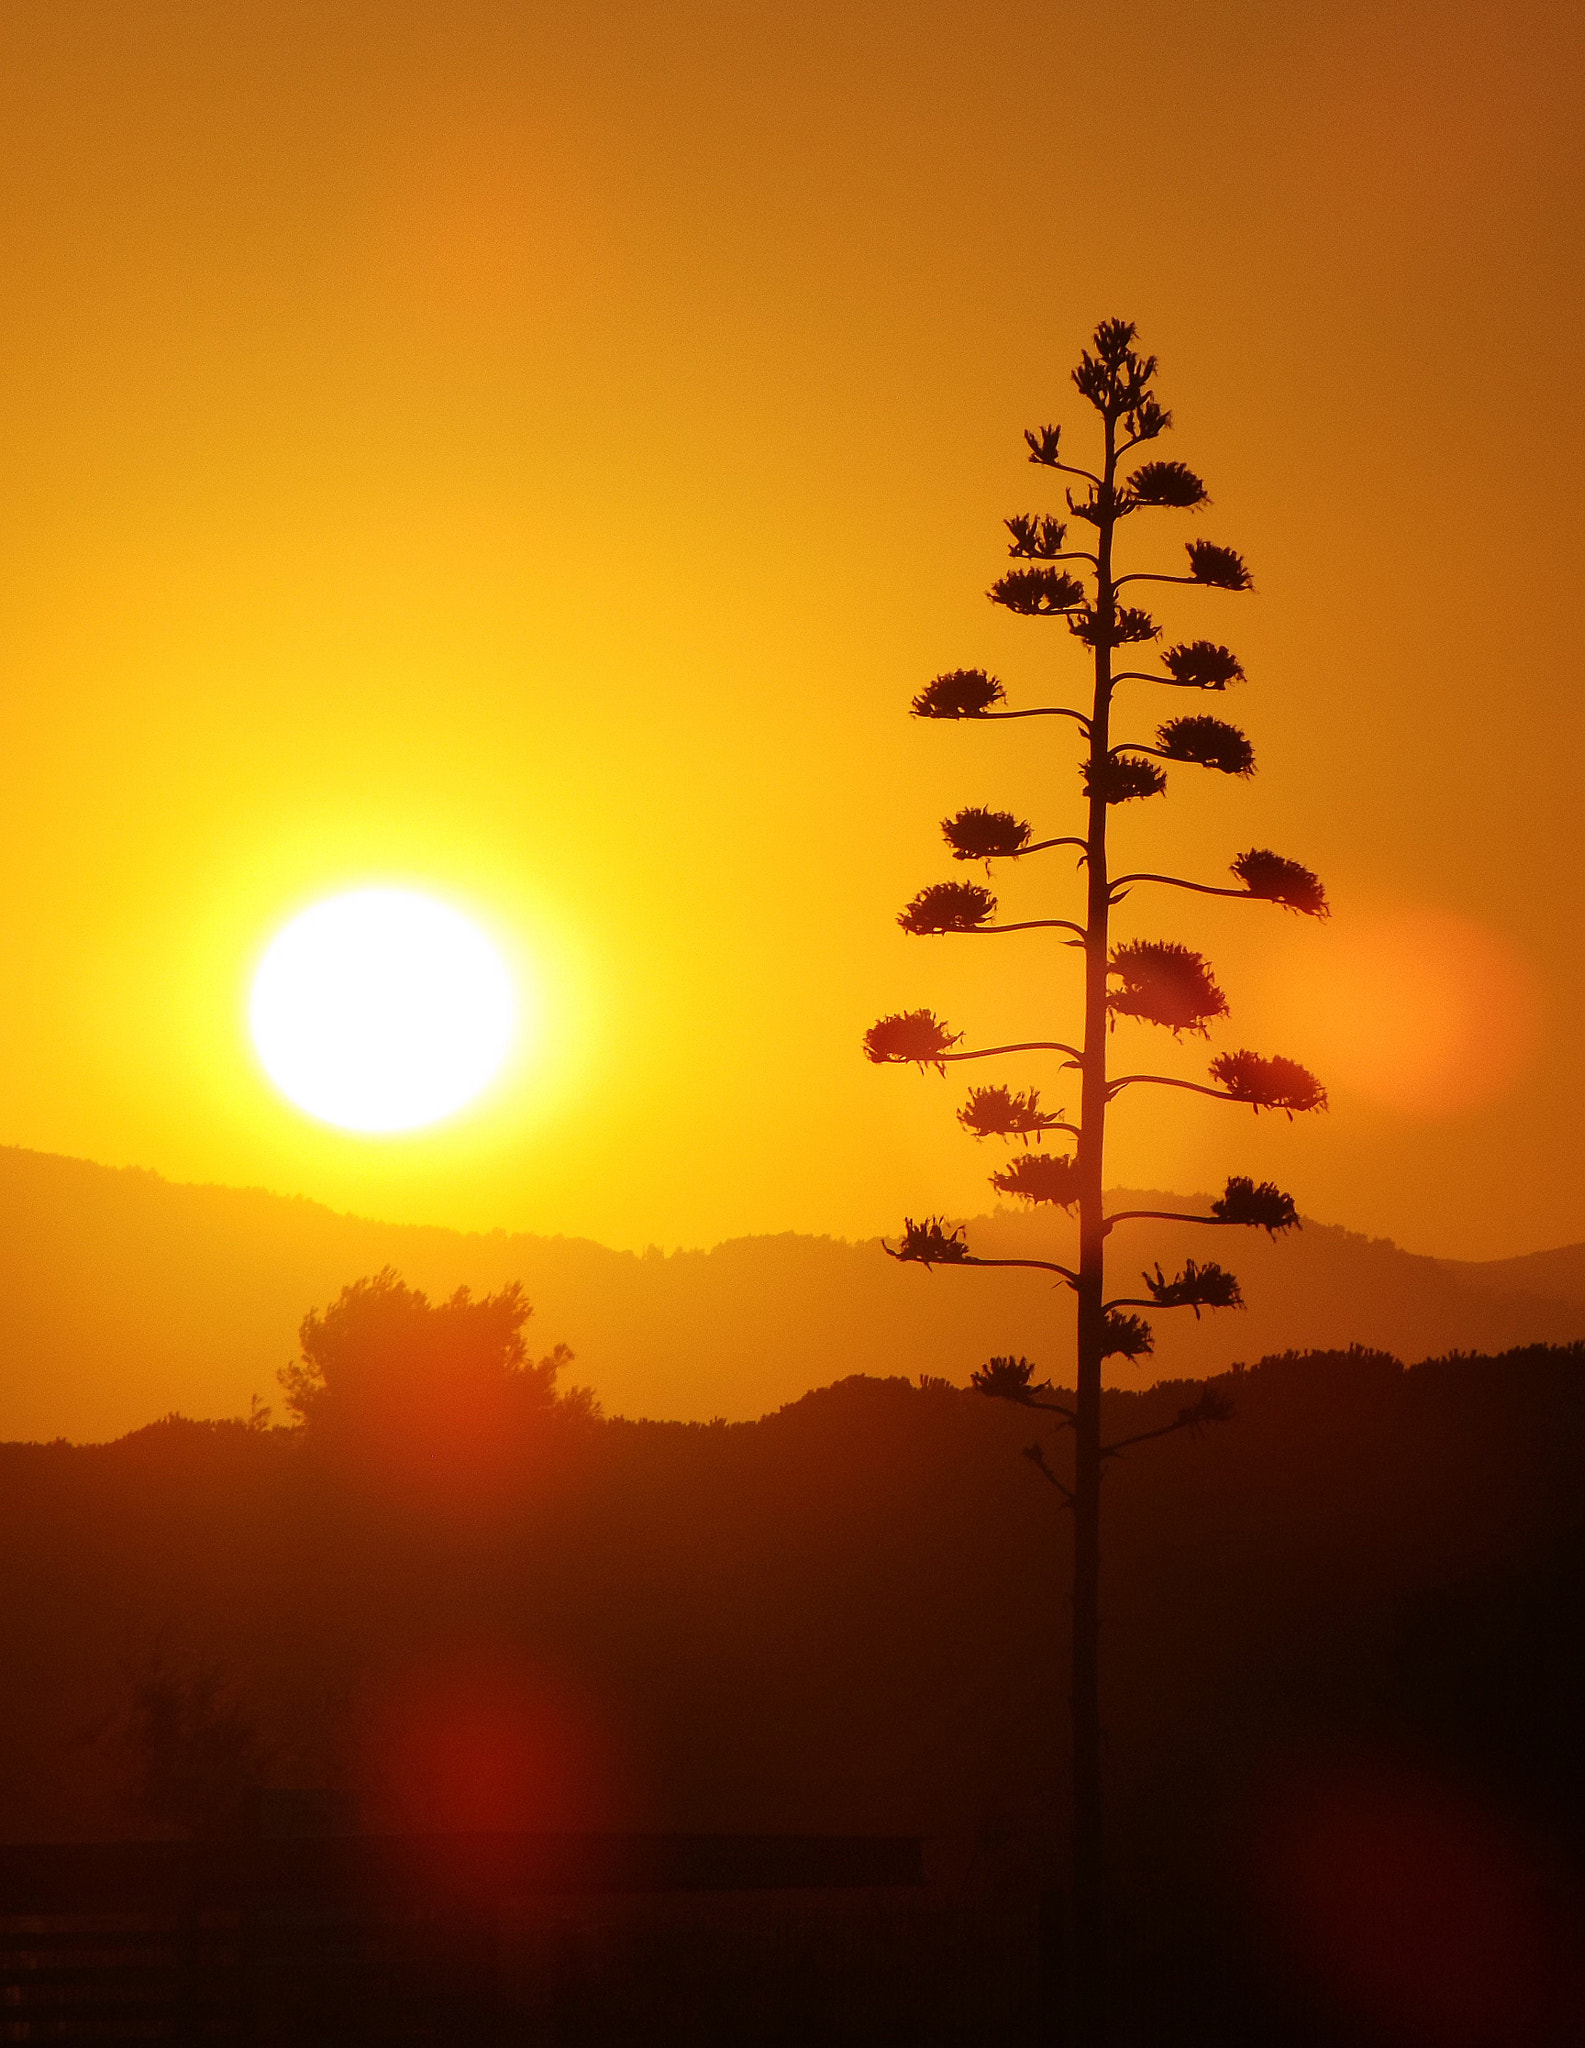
x,y
1345,1684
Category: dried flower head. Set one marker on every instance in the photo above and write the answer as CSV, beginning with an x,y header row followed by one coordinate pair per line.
x,y
1040,1177
1045,445
1095,508
1274,880
1037,593
1273,1083
1130,625
931,1243
977,834
1171,484
1124,777
1214,1405
999,1112
910,1038
1095,382
1208,743
1262,1205
1202,665
1035,539
1103,502
1111,342
948,907
1005,1379
1115,378
1126,1336
960,693
1164,983
1220,568
1196,1287
1146,419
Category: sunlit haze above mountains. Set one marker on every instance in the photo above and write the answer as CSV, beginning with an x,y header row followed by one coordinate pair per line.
x,y
530,456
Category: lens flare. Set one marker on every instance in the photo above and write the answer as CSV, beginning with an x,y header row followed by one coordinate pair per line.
x,y
1416,1010
382,1010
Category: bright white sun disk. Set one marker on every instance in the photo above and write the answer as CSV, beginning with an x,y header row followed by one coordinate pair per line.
x,y
382,1010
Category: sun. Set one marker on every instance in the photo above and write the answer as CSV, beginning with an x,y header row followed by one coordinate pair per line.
x,y
382,1010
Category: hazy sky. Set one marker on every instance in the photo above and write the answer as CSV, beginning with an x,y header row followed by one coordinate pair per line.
x,y
535,451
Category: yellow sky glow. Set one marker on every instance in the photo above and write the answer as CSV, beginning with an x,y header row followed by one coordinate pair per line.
x,y
531,456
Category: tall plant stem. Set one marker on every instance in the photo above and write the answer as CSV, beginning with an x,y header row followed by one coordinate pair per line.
x,y
1088,1926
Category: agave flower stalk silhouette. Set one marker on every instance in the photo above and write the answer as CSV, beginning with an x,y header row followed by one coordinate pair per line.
x,y
1155,981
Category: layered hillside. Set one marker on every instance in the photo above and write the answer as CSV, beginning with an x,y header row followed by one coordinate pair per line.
x,y
124,1296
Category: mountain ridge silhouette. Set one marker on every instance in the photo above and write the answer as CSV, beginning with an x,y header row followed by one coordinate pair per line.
x,y
124,1296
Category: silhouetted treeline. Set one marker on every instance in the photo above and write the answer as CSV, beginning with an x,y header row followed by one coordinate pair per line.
x,y
1342,1638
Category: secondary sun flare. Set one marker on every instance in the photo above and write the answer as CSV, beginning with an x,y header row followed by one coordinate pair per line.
x,y
381,1010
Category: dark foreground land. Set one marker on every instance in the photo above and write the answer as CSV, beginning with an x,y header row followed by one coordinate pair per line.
x,y
428,1941
1345,1689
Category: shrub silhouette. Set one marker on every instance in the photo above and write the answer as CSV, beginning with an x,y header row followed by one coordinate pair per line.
x,y
434,1395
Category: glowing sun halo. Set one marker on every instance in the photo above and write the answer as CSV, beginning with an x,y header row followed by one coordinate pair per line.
x,y
381,1010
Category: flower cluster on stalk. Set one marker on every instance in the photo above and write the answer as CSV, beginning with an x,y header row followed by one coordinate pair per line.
x,y
910,1038
1275,880
948,907
1122,778
1165,983
960,693
1206,743
1196,1287
1268,1081
978,834
1258,1205
999,1112
1009,1379
1201,665
1040,1177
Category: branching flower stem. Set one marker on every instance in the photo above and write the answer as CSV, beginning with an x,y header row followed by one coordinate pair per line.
x,y
1072,469
1145,1436
1028,924
1043,846
1037,711
1154,576
991,1052
1138,675
1158,1216
1039,1266
1162,1081
1177,881
1037,1457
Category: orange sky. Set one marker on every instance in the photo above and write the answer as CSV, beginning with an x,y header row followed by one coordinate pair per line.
x,y
535,451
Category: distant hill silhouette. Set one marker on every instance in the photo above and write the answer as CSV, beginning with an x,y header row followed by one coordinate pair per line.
x,y
124,1296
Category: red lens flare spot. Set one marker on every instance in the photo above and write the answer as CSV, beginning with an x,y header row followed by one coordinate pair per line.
x,y
1419,1011
1423,1913
484,1746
